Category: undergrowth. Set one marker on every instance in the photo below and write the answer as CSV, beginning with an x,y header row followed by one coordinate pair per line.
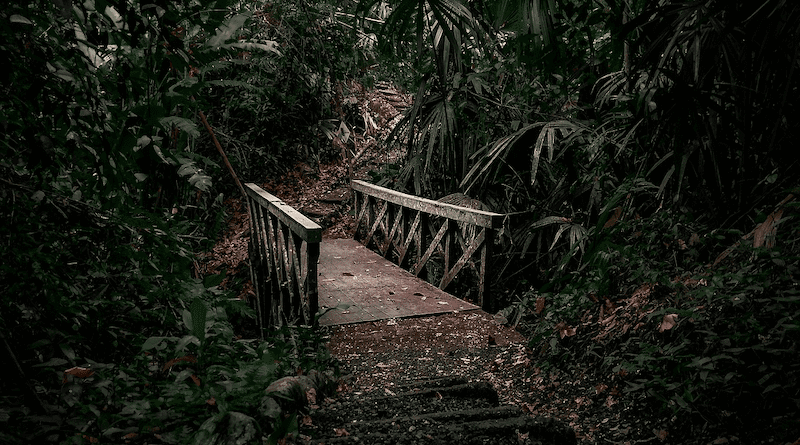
x,y
709,341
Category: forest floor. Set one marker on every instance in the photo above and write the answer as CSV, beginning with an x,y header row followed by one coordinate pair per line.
x,y
374,356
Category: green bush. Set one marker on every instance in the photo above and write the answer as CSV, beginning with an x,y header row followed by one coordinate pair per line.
x,y
107,196
694,339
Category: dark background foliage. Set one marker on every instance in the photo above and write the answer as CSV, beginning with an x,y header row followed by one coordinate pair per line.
x,y
630,143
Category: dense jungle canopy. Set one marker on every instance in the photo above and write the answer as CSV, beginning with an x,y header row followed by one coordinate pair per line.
x,y
631,143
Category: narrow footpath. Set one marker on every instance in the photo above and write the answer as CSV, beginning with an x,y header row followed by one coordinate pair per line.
x,y
441,379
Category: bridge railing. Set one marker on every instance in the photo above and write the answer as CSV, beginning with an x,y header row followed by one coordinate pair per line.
x,y
409,230
284,252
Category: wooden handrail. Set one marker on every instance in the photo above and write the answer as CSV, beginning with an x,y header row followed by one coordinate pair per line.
x,y
475,217
462,235
297,222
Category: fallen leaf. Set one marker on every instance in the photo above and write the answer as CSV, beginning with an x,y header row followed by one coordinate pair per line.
x,y
306,421
212,401
81,373
662,435
613,218
668,322
340,432
539,305
566,331
185,358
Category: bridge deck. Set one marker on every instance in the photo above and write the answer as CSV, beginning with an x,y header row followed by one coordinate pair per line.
x,y
358,285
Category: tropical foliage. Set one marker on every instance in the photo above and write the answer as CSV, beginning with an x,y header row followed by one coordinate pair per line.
x,y
107,197
630,143
558,110
633,145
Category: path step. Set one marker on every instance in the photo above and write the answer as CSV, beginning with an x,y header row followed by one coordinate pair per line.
x,y
441,411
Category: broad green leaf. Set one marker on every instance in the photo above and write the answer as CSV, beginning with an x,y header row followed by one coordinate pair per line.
x,y
187,167
152,342
547,221
53,362
213,280
181,344
142,142
16,18
270,46
199,312
180,123
200,181
227,30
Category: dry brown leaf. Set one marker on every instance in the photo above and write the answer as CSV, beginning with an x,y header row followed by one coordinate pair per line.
x,y
185,358
539,305
567,332
669,322
81,373
764,234
340,432
613,218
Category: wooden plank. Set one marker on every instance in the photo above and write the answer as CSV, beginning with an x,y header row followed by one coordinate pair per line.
x,y
473,247
296,221
287,284
311,259
476,217
377,222
398,220
363,213
432,248
276,277
483,284
410,236
256,264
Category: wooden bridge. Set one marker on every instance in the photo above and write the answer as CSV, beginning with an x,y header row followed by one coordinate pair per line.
x,y
301,279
